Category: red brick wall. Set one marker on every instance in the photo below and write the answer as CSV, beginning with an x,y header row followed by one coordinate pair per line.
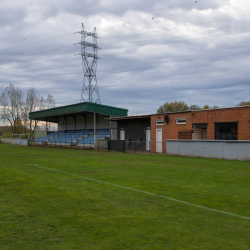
x,y
170,130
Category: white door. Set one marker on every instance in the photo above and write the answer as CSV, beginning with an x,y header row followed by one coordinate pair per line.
x,y
204,134
159,140
148,139
122,134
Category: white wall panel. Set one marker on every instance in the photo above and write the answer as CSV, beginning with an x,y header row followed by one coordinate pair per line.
x,y
217,149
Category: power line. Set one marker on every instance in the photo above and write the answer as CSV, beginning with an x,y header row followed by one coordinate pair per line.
x,y
172,27
188,39
163,44
78,24
172,6
121,36
116,36
42,48
39,41
200,9
175,50
158,39
36,35
154,40
104,37
124,46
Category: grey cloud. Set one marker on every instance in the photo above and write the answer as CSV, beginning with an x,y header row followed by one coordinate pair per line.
x,y
144,62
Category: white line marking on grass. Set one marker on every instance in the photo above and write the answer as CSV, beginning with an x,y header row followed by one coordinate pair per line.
x,y
145,192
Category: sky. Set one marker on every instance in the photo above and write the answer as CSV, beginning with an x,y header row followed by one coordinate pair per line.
x,y
152,52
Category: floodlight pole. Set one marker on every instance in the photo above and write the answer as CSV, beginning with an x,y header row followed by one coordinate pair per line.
x,y
89,67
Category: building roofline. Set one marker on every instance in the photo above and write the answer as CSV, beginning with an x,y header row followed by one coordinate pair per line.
x,y
212,109
78,108
128,117
180,112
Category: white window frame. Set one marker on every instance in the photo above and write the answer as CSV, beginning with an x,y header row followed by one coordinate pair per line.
x,y
159,121
180,121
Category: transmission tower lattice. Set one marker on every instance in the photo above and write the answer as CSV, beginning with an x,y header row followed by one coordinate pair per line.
x,y
90,92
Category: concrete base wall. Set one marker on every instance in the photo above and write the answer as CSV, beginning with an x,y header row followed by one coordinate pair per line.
x,y
23,142
229,150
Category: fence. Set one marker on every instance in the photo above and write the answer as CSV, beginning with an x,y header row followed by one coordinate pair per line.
x,y
218,149
22,136
140,147
143,147
62,144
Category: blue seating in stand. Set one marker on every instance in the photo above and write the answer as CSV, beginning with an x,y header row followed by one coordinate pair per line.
x,y
80,136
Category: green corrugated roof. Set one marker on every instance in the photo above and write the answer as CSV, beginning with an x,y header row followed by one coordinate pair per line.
x,y
79,108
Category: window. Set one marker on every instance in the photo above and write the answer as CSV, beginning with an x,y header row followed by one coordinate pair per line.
x,y
159,123
180,121
226,131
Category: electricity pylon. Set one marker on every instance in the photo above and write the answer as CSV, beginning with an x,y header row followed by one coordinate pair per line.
x,y
90,92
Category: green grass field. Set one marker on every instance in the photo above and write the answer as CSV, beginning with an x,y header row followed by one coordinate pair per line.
x,y
66,199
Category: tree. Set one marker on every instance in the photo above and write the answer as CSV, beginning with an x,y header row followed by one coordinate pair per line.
x,y
243,103
206,107
173,107
16,111
34,103
50,102
11,102
31,104
195,107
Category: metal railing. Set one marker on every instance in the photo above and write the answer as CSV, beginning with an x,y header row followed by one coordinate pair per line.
x,y
143,147
140,147
22,136
61,144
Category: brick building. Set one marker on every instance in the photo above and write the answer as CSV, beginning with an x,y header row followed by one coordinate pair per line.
x,y
207,124
213,124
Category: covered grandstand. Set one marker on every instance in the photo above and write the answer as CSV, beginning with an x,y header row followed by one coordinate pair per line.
x,y
79,124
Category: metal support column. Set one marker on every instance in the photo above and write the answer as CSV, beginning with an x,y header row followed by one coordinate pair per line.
x,y
94,127
110,127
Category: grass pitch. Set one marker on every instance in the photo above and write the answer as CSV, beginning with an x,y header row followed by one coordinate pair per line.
x,y
42,208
